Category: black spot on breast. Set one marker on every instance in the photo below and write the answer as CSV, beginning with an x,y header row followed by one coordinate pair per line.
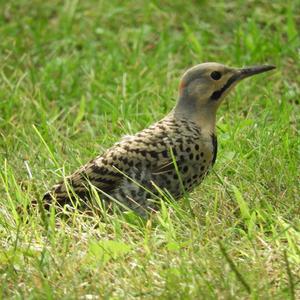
x,y
197,157
188,149
164,153
201,154
185,169
202,168
191,156
197,147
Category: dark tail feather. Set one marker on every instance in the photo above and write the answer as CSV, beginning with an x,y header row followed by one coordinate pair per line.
x,y
51,198
59,197
47,200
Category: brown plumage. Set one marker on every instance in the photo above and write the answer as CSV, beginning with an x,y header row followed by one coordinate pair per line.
x,y
174,154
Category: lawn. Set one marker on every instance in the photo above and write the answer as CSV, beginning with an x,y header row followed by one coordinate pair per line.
x,y
77,75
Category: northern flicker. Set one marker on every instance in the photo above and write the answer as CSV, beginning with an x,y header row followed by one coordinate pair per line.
x,y
173,154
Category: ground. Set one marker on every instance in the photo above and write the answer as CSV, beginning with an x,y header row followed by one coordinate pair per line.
x,y
77,75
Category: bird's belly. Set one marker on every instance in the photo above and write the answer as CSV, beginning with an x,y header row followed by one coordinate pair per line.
x,y
189,177
192,169
143,183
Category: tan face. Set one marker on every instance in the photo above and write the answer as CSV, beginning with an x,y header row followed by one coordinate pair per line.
x,y
207,84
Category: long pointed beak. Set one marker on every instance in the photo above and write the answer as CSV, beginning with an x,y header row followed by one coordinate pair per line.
x,y
250,71
239,74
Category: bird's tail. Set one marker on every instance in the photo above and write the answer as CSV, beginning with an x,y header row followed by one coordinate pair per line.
x,y
57,196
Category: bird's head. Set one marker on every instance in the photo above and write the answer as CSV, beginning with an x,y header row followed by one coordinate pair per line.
x,y
203,87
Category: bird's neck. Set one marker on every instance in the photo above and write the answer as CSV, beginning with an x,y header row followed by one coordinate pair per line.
x,y
203,116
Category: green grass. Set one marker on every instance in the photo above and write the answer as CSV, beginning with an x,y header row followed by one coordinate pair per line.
x,y
77,75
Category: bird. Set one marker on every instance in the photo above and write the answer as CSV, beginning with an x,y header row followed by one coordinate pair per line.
x,y
173,155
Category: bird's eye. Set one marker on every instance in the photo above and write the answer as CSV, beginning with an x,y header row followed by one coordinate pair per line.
x,y
215,75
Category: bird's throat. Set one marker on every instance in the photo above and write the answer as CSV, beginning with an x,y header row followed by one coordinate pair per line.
x,y
203,116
